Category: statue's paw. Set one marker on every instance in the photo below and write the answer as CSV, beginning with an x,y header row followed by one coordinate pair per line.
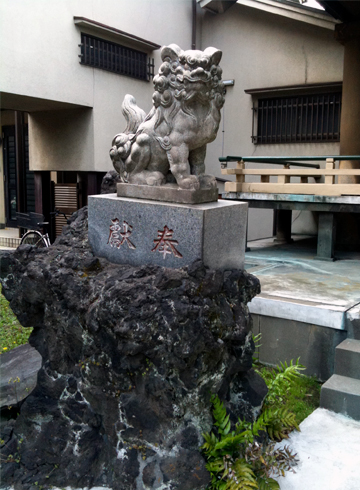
x,y
121,139
207,181
113,153
191,182
155,179
117,166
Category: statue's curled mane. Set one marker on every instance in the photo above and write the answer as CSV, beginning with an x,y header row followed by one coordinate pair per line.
x,y
183,77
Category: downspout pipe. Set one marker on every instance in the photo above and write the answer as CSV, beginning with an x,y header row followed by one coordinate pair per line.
x,y
193,35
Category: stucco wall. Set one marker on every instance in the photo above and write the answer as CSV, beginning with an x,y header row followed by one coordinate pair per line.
x,y
39,41
61,140
261,50
39,58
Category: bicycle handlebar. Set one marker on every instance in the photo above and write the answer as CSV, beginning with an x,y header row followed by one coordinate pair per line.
x,y
57,212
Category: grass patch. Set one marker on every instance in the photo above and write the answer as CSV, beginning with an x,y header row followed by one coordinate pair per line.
x,y
301,397
12,334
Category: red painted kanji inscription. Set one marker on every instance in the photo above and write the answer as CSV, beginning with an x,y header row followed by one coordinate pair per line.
x,y
164,243
118,237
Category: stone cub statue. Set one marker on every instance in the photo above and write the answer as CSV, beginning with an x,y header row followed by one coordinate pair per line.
x,y
169,144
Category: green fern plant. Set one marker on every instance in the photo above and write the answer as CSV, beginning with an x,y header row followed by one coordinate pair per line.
x,y
281,379
277,417
235,460
256,340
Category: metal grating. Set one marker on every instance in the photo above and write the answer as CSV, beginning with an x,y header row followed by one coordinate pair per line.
x,y
10,162
300,119
60,222
115,58
30,182
66,200
9,242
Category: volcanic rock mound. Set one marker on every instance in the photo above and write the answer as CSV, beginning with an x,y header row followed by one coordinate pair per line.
x,y
130,357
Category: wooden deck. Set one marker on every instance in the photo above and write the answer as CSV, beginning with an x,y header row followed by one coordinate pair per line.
x,y
277,190
325,181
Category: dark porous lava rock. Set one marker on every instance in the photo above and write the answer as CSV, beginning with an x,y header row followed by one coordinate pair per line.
x,y
109,182
130,357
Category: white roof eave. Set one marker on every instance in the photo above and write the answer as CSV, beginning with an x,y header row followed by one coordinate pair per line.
x,y
292,11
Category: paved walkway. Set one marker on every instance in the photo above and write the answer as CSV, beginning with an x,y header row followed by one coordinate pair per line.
x,y
328,447
290,271
294,285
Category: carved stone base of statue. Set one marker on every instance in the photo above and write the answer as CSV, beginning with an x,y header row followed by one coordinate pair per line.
x,y
145,232
168,193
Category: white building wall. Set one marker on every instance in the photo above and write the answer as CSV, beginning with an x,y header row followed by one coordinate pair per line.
x,y
262,50
39,51
39,41
61,140
39,59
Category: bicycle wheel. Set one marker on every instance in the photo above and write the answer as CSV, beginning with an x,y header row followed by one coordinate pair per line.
x,y
33,238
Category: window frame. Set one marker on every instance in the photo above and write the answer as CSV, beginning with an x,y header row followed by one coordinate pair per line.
x,y
296,114
115,58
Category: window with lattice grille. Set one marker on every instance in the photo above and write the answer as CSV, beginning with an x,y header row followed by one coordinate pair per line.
x,y
113,57
297,119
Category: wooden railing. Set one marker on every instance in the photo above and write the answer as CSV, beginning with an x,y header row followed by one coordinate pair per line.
x,y
329,185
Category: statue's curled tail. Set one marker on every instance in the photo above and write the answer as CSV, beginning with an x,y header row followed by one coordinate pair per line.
x,y
121,144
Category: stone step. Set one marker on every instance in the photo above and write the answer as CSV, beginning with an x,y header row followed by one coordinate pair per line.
x,y
347,359
341,394
18,374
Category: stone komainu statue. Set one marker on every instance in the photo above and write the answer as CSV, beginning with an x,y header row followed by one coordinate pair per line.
x,y
169,144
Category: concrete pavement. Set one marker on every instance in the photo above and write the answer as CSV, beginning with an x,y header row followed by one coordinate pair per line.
x,y
328,448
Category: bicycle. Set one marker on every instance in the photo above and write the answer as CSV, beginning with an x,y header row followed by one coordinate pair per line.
x,y
34,222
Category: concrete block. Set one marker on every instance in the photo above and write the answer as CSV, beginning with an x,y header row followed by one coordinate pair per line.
x,y
341,395
324,315
283,340
352,322
255,324
347,358
139,232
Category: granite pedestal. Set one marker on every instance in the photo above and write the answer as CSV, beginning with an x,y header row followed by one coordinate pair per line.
x,y
168,193
139,232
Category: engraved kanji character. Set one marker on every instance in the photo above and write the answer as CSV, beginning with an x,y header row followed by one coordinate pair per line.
x,y
164,243
118,237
